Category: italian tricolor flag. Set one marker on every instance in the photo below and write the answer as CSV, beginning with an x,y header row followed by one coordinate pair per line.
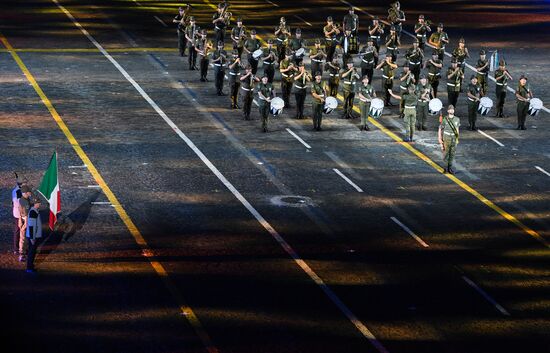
x,y
49,188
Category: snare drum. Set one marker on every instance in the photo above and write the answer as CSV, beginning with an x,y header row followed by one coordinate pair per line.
x,y
277,105
485,104
376,107
257,53
300,53
435,106
535,105
330,104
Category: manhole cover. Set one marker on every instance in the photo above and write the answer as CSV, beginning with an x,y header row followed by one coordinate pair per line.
x,y
291,201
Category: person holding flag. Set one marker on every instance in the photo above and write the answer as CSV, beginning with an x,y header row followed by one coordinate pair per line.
x,y
49,188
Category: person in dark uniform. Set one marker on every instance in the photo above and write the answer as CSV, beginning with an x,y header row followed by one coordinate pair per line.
x,y
334,77
301,79
439,40
331,31
449,131
405,80
501,79
191,34
287,69
269,58
204,48
411,101
317,57
265,94
388,73
220,19
248,81
250,46
461,53
350,76
369,56
376,29
455,75
297,43
366,94
238,36
474,95
234,81
181,21
33,233
318,94
424,93
219,59
282,34
351,22
392,44
421,29
434,66
482,72
346,43
415,57
396,17
523,96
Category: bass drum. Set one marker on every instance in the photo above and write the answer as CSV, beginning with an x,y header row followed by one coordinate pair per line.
x,y
330,104
435,106
376,108
535,105
257,53
485,104
277,105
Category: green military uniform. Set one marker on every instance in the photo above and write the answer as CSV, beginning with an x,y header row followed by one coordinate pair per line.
x,y
368,92
501,80
286,80
349,92
436,37
368,59
434,74
252,45
234,81
282,41
219,57
238,35
317,104
392,46
414,58
388,73
411,101
483,75
523,107
300,87
421,30
317,56
424,94
450,133
454,84
264,105
473,104
460,56
295,44
247,95
403,85
269,64
334,79
375,36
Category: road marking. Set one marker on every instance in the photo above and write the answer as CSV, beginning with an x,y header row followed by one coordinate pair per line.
x,y
78,166
100,203
161,21
347,180
343,165
272,3
298,138
491,138
411,233
542,170
301,19
486,296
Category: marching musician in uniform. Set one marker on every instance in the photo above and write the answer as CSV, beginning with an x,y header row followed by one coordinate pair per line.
x,y
350,76
474,95
482,72
455,75
234,75
203,48
265,94
297,43
439,40
181,20
286,68
460,54
388,72
269,57
523,96
318,93
238,36
317,57
411,101
366,94
334,77
392,44
434,66
331,32
396,17
191,33
346,43
248,81
369,55
282,33
424,92
406,79
375,32
351,22
501,78
219,59
448,138
421,29
301,79
220,20
414,57
250,46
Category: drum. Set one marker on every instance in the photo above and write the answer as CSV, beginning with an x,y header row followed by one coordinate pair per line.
x,y
300,53
535,105
257,53
376,107
435,106
330,104
485,104
277,105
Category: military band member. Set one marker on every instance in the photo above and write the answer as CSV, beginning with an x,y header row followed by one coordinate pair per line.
x,y
250,46
482,72
448,134
375,32
220,20
181,21
461,54
424,92
191,34
388,72
318,93
219,59
238,36
297,43
474,95
204,48
248,81
331,31
421,30
396,17
414,57
265,94
334,77
346,43
501,77
282,34
392,44
411,101
369,55
301,79
317,57
366,94
269,58
434,66
351,22
439,40
455,75
286,69
406,79
523,96
349,75
234,75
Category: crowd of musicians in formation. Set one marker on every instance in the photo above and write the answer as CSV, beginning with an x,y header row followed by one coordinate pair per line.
x,y
419,80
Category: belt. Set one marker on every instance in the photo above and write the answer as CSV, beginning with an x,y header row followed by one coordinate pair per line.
x,y
349,83
284,75
218,28
414,63
449,133
318,61
434,74
410,106
235,74
451,84
420,35
501,84
280,40
329,39
482,73
247,89
333,74
471,100
389,78
391,48
368,62
300,87
268,63
375,37
364,100
218,65
403,88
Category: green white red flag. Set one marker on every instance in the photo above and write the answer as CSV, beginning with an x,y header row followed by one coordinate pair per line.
x,y
49,188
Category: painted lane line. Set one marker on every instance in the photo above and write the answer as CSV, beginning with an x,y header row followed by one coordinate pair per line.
x,y
301,19
298,138
272,3
542,170
343,165
486,296
491,138
100,203
161,21
347,180
411,233
78,166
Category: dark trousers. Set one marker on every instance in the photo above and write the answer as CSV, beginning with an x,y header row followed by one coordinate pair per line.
x,y
220,35
286,88
32,253
316,66
415,70
264,112
501,97
281,49
333,87
247,99
182,43
235,85
453,96
377,46
16,232
435,85
522,113
253,63
349,96
204,67
330,49
386,85
300,95
269,71
369,71
192,57
317,115
472,113
219,73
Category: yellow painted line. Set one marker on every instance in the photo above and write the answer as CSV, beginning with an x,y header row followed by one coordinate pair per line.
x,y
146,250
86,50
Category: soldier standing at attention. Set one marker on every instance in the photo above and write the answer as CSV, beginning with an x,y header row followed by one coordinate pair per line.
x,y
351,22
297,43
269,59
421,30
434,66
318,93
474,95
346,43
265,94
219,58
33,233
317,57
460,54
181,21
388,72
455,75
219,19
501,77
203,48
287,77
424,92
250,46
24,207
414,57
375,32
282,33
439,40
411,101
238,36
369,55
396,17
482,72
234,82
366,94
448,138
191,34
248,81
334,77
405,81
392,44
301,79
523,96
330,31
350,77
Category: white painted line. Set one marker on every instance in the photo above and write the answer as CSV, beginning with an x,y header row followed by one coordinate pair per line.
x,y
272,3
343,165
298,138
137,2
263,222
542,170
93,186
78,166
161,21
347,180
100,203
411,233
486,296
490,137
301,19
